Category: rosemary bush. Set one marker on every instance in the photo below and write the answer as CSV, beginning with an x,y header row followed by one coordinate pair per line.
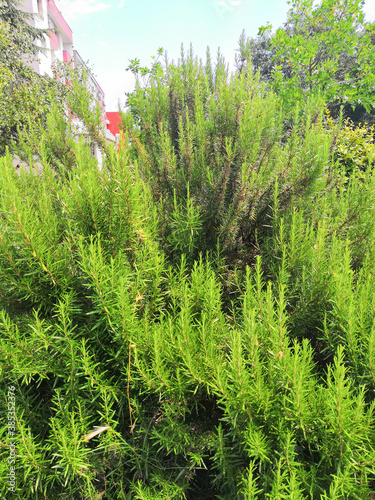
x,y
196,319
212,146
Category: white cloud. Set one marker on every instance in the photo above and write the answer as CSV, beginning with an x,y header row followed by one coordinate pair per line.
x,y
73,8
122,3
369,10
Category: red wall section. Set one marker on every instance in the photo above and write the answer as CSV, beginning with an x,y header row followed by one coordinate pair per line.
x,y
114,119
66,56
54,40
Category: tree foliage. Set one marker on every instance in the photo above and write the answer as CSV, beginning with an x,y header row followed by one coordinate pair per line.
x,y
322,49
25,95
60,109
73,114
354,146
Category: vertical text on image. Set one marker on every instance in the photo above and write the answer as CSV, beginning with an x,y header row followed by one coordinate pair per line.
x,y
11,404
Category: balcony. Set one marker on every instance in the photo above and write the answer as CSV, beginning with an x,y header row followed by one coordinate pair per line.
x,y
59,22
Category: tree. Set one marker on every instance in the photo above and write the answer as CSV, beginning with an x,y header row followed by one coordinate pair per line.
x,y
32,102
325,49
24,34
25,95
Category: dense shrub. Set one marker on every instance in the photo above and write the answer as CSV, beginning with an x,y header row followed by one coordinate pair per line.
x,y
354,146
212,146
195,320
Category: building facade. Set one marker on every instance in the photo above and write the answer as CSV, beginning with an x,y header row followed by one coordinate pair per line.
x,y
59,45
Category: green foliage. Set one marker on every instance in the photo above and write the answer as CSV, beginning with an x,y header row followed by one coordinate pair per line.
x,y
354,146
73,115
31,103
143,73
24,94
196,318
325,48
225,138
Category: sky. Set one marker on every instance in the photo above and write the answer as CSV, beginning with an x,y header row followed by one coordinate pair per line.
x,y
110,33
